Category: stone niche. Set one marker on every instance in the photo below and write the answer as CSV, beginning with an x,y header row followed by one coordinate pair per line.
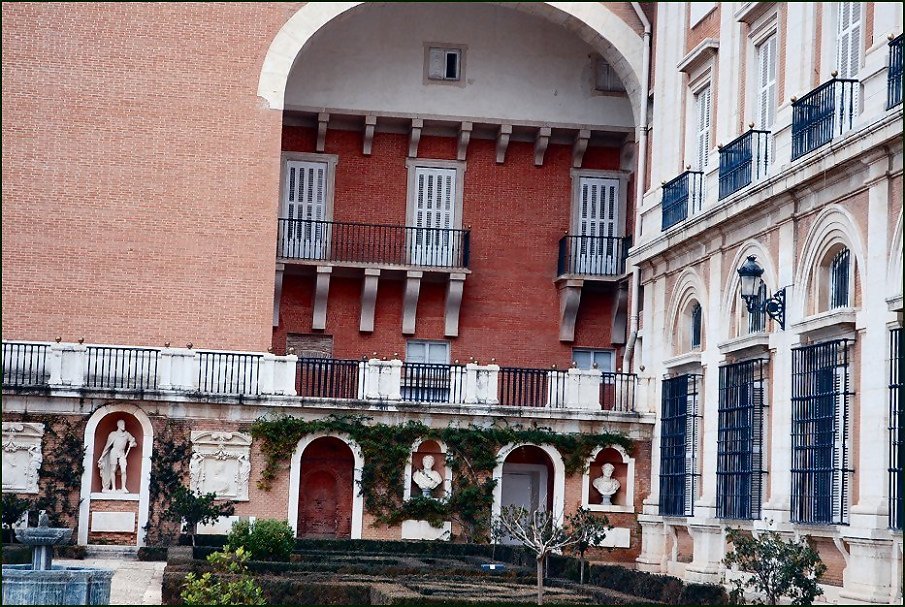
x,y
221,463
22,456
105,427
623,471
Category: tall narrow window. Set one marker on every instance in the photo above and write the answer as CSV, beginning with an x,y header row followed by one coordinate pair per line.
x,y
848,39
739,466
896,429
304,231
839,280
820,410
597,250
766,83
702,111
696,323
678,445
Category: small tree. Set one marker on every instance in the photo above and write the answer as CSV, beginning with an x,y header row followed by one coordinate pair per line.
x,y
537,531
196,509
13,507
589,530
777,568
229,584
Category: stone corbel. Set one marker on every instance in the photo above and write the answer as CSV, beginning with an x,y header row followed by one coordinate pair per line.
x,y
454,289
323,118
368,299
579,146
569,298
321,292
620,311
502,142
410,305
278,293
415,136
464,137
540,145
368,139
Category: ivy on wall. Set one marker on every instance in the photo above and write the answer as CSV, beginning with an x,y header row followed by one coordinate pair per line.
x,y
172,450
471,455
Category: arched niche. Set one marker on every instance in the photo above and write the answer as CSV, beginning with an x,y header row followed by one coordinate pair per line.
x,y
624,472
525,458
437,450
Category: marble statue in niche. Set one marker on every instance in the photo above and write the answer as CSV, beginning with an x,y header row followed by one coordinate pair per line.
x,y
427,478
113,458
606,485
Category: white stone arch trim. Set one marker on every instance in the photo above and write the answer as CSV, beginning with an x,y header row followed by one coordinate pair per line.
x,y
89,463
689,286
894,272
731,298
559,478
621,46
407,475
834,225
295,473
629,481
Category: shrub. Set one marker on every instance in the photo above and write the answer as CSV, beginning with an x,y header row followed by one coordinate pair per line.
x,y
152,553
229,584
13,507
265,539
196,508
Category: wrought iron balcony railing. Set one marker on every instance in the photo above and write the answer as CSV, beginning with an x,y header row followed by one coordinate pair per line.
x,y
333,241
593,255
825,112
683,196
743,160
894,74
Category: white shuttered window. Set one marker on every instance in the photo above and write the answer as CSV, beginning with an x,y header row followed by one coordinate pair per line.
x,y
702,110
434,214
848,39
305,205
766,85
598,215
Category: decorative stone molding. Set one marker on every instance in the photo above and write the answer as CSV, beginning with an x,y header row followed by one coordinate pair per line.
x,y
540,144
410,301
502,142
22,456
221,463
368,299
454,289
321,292
368,137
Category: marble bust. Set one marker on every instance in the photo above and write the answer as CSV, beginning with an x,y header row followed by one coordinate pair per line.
x,y
427,478
113,458
606,485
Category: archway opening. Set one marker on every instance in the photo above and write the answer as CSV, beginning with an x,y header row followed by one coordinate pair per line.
x,y
326,490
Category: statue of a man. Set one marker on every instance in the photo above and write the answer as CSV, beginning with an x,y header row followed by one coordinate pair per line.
x,y
427,478
606,485
114,455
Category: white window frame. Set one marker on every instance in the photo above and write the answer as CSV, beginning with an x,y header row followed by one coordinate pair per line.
x,y
837,10
760,45
427,343
460,49
577,175
411,186
593,352
702,155
331,160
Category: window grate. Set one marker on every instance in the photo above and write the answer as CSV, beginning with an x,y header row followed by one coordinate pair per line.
x,y
696,326
739,464
896,428
820,408
839,279
678,445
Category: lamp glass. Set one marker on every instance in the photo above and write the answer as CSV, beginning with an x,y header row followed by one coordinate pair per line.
x,y
749,277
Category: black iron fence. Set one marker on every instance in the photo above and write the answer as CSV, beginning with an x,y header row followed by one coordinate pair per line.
x,y
433,383
896,427
122,368
743,160
617,392
25,364
593,255
825,112
328,378
894,74
522,387
683,196
229,372
373,243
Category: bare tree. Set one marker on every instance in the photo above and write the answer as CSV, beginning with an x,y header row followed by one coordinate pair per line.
x,y
538,531
589,530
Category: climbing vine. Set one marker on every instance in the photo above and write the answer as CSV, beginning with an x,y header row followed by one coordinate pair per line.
x,y
172,451
471,455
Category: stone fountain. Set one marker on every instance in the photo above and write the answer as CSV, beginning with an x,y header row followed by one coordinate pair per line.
x,y
43,584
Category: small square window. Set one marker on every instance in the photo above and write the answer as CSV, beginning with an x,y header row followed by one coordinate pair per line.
x,y
605,78
444,63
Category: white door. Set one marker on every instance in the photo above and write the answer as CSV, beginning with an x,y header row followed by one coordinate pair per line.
x,y
523,485
306,234
598,216
431,242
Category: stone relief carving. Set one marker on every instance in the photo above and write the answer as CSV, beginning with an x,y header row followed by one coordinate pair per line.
x,y
221,464
22,456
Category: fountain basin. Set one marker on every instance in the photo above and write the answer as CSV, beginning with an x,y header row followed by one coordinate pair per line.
x,y
22,585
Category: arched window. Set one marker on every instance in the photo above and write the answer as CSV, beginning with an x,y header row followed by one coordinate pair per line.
x,y
840,269
696,326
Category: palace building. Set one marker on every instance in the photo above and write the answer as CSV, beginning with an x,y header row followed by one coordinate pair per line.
x,y
676,222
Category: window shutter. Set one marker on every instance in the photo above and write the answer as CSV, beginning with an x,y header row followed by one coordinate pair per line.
x,y
766,111
437,64
848,43
703,108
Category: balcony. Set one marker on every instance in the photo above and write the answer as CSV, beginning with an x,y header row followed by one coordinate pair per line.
x,y
894,73
825,112
743,160
592,256
375,245
682,197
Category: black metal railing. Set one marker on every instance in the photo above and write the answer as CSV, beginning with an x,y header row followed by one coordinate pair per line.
x,y
228,372
820,418
433,383
896,426
743,160
825,112
373,243
894,73
525,387
122,368
25,364
327,378
679,445
617,392
682,197
593,255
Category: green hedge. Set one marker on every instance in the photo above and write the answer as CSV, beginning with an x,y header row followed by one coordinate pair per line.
x,y
16,554
152,553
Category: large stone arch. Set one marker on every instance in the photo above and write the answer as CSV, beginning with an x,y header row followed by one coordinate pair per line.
x,y
731,300
689,286
593,22
559,478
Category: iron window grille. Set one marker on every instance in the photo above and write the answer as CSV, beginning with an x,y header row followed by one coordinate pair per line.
x,y
896,428
696,326
739,464
821,393
678,445
757,319
840,271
